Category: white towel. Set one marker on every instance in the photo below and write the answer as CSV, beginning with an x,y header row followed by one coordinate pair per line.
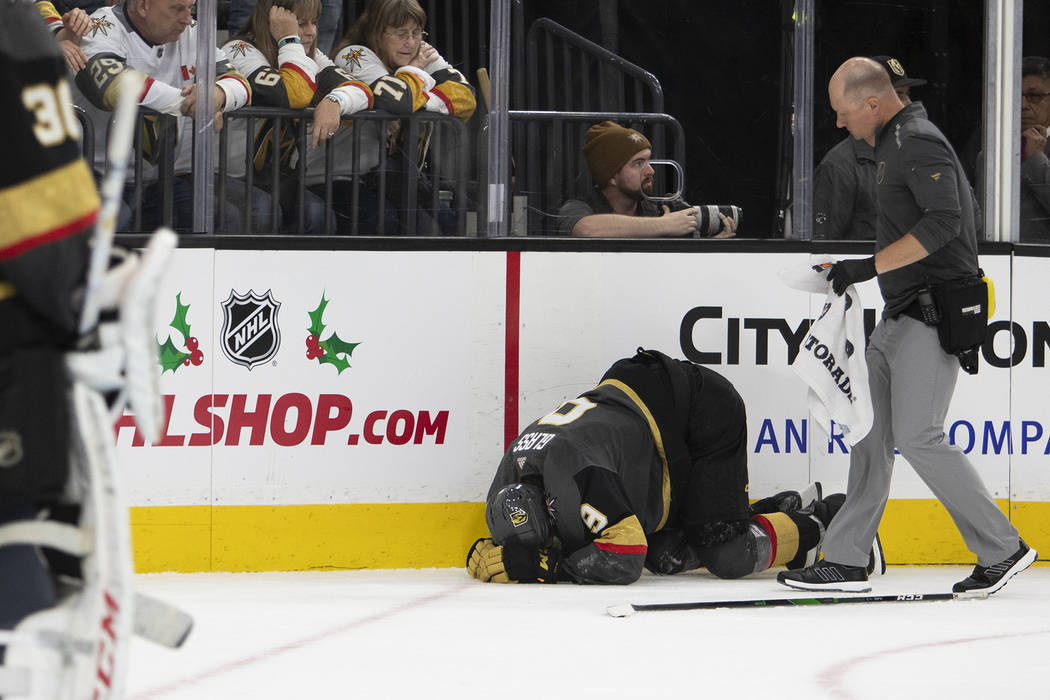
x,y
831,357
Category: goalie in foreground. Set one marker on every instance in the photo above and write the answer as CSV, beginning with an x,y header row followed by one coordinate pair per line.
x,y
66,594
648,469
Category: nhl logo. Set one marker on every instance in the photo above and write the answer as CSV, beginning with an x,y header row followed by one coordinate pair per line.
x,y
250,334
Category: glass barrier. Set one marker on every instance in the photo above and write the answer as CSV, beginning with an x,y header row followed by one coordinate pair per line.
x,y
736,94
1033,198
932,53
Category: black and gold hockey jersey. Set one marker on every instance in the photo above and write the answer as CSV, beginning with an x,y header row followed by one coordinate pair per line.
x,y
659,442
48,198
601,460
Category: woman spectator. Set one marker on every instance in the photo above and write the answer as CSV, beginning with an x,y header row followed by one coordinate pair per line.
x,y
386,49
276,50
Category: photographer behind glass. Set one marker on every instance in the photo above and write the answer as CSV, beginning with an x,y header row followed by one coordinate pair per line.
x,y
621,204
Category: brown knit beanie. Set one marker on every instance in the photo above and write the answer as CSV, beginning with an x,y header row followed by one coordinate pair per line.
x,y
608,147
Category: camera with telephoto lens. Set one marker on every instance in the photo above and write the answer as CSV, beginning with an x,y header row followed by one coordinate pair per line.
x,y
708,223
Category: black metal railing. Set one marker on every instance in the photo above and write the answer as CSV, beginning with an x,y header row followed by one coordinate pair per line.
x,y
425,176
569,72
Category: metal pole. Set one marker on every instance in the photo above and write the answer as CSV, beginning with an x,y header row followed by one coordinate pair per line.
x,y
802,123
203,125
499,124
1009,152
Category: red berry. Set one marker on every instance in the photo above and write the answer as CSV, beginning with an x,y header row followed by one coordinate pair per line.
x,y
186,362
191,343
197,357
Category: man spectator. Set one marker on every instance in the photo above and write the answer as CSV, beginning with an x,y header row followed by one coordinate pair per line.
x,y
1035,166
844,181
618,161
159,38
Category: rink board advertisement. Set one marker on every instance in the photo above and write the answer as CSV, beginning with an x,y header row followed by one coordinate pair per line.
x,y
346,409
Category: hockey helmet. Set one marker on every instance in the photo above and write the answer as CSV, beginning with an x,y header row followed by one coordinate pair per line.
x,y
518,513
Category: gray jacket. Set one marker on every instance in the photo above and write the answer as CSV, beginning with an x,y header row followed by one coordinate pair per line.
x,y
922,190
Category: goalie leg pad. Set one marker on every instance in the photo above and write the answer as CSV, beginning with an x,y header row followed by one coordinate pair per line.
x,y
25,585
79,647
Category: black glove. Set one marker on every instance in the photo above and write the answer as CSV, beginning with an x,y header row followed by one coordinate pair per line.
x,y
846,272
489,562
669,553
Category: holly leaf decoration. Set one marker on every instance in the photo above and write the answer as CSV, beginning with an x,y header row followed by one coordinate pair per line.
x,y
337,352
179,323
316,325
169,356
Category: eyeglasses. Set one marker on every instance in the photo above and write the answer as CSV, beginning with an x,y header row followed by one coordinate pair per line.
x,y
403,35
1035,97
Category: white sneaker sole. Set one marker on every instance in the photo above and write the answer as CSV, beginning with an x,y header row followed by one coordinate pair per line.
x,y
843,586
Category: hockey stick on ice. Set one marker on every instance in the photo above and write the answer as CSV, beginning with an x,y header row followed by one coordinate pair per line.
x,y
117,151
626,609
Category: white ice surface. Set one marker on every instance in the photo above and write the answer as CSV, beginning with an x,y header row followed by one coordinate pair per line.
x,y
439,634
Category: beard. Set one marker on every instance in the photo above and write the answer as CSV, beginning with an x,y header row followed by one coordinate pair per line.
x,y
638,193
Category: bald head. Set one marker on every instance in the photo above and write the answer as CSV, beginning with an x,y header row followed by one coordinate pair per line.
x,y
863,98
860,78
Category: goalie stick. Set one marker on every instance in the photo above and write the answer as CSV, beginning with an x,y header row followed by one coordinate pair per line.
x,y
117,152
626,609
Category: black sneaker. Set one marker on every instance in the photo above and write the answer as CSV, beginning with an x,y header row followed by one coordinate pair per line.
x,y
986,580
827,576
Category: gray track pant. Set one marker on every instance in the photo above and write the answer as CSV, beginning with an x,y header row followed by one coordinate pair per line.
x,y
912,381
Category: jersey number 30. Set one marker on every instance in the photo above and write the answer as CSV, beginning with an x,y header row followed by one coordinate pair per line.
x,y
52,105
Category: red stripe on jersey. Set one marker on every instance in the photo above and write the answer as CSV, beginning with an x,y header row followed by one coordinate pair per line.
x,y
362,87
297,69
771,531
145,88
448,102
622,548
46,237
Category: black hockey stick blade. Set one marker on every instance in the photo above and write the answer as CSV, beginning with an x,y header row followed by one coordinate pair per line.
x,y
630,608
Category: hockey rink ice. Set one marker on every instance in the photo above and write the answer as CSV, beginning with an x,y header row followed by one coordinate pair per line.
x,y
437,633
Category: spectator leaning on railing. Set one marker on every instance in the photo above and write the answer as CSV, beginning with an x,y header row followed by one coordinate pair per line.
x,y
618,160
386,49
277,51
159,39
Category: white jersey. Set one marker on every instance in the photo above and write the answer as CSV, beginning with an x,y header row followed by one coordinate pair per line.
x,y
292,84
436,88
113,46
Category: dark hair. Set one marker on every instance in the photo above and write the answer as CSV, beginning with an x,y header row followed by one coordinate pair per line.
x,y
1035,65
380,15
256,29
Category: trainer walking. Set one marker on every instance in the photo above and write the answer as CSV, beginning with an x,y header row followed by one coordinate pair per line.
x,y
925,237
